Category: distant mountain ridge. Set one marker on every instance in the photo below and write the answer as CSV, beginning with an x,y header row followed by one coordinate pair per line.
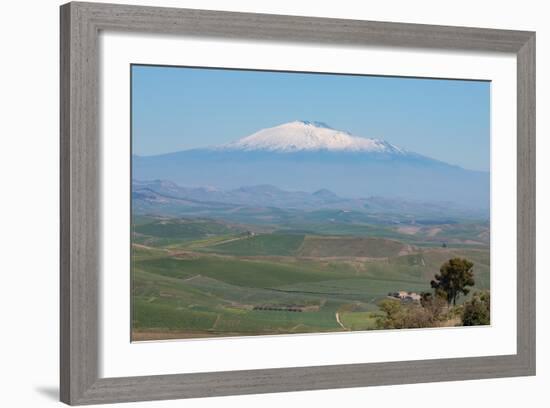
x,y
311,156
148,194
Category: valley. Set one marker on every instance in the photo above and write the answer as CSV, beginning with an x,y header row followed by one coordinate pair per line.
x,y
203,277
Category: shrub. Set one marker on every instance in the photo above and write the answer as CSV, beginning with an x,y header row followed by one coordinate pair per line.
x,y
404,316
477,311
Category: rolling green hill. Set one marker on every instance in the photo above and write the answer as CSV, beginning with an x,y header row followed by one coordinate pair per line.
x,y
342,246
253,284
265,244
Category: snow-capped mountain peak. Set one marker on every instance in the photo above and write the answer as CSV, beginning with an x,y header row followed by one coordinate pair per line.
x,y
313,123
310,136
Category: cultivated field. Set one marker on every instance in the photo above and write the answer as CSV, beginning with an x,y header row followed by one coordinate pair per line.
x,y
202,277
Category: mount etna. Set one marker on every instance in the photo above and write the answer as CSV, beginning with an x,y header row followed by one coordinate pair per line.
x,y
312,157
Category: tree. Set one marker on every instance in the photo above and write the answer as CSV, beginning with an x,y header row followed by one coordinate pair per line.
x,y
393,318
453,278
477,311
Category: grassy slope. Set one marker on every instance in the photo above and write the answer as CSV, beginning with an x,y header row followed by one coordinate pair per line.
x,y
211,306
317,246
214,293
265,244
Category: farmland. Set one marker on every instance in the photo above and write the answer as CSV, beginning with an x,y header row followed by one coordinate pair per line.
x,y
207,277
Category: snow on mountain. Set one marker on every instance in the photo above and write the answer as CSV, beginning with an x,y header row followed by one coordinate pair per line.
x,y
310,136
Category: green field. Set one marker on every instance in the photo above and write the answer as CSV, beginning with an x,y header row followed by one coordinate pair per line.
x,y
203,278
266,244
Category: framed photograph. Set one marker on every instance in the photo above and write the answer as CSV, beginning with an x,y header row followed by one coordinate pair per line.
x,y
261,203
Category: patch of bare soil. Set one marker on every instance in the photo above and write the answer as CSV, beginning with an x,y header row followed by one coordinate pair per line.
x,y
409,229
432,232
406,250
455,321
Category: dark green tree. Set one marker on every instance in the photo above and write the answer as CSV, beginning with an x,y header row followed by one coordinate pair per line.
x,y
454,277
477,311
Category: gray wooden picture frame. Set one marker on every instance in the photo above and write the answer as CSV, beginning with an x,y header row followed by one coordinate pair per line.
x,y
80,191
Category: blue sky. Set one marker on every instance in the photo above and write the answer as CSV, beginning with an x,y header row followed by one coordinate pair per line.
x,y
177,108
